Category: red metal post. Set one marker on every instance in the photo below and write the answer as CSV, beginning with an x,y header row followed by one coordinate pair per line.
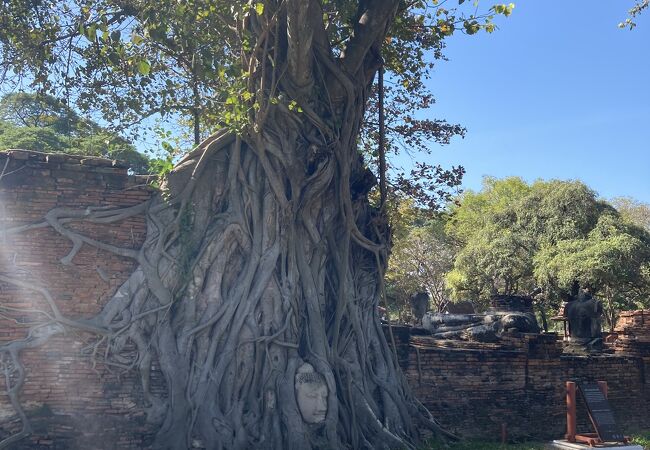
x,y
570,411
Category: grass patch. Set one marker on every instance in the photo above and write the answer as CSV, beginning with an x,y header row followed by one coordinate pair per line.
x,y
485,445
642,439
482,445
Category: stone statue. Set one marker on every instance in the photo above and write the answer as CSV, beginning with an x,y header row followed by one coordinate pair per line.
x,y
585,329
507,314
419,305
311,394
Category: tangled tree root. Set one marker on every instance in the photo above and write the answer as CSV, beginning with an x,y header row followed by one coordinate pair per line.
x,y
251,266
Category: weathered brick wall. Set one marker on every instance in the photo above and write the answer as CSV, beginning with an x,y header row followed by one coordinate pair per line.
x,y
71,402
633,333
474,388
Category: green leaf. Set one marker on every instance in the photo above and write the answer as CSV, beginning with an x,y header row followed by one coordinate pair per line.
x,y
136,39
259,8
91,32
114,58
471,27
144,67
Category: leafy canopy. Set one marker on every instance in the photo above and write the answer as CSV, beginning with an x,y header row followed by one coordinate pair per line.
x,y
42,123
515,237
422,254
193,62
634,211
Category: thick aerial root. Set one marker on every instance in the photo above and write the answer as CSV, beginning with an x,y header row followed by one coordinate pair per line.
x,y
14,373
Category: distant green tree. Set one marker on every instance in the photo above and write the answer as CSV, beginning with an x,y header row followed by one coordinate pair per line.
x,y
492,257
32,138
475,210
43,111
42,123
633,210
515,237
422,255
613,260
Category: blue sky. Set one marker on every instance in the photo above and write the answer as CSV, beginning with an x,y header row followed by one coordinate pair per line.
x,y
557,92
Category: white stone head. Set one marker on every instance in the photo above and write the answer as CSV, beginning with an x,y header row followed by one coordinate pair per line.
x,y
311,394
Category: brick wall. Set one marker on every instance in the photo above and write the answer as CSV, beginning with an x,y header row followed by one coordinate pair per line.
x,y
474,388
632,333
71,402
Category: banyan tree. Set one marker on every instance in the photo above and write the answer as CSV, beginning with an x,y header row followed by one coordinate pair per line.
x,y
263,261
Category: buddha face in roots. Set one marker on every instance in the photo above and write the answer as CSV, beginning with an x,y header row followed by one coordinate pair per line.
x,y
311,394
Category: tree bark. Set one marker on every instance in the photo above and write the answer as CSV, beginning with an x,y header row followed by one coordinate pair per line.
x,y
247,285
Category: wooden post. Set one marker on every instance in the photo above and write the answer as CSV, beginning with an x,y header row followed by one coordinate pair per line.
x,y
570,411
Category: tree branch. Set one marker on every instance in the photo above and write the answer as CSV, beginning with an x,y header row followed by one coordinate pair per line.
x,y
304,29
369,31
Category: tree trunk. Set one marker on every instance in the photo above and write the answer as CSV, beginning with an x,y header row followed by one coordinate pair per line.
x,y
263,254
260,258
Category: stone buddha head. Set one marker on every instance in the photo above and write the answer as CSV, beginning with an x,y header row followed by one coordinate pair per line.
x,y
311,394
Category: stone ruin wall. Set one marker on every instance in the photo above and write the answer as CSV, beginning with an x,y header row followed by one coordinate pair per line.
x,y
71,402
476,388
471,388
